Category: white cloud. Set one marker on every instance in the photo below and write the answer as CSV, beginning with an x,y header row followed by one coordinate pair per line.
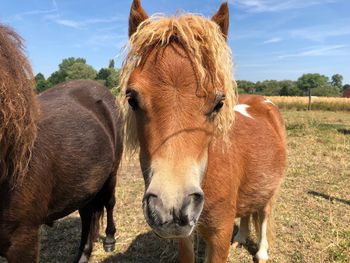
x,y
316,51
79,24
273,40
20,16
322,32
259,6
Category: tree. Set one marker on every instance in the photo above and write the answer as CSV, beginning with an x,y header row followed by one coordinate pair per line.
x,y
56,77
41,83
113,78
268,88
328,91
337,81
111,63
108,76
245,86
307,82
80,71
72,68
103,74
289,88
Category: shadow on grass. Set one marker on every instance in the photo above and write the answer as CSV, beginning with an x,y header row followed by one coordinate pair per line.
x,y
344,131
147,248
60,243
328,197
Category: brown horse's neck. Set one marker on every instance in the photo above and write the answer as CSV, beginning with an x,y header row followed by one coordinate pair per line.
x,y
18,108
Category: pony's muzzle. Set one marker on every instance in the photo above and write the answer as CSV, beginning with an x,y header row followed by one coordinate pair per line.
x,y
173,221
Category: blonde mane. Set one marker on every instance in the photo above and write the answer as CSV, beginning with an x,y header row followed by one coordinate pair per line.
x,y
18,108
205,45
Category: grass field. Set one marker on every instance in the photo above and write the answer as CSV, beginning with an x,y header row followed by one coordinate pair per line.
x,y
317,103
312,213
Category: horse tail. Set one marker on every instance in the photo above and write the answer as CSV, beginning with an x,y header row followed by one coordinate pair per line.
x,y
96,223
18,108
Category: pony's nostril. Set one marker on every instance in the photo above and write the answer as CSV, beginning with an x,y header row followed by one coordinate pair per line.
x,y
149,197
197,197
182,219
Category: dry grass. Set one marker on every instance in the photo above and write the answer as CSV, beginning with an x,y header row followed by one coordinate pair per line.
x,y
317,103
312,212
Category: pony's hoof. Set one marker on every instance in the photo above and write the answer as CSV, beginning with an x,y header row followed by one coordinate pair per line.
x,y
109,244
256,260
236,244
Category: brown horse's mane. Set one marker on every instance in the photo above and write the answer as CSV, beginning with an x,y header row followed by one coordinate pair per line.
x,y
205,45
18,108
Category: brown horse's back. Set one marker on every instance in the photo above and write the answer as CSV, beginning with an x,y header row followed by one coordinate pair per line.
x,y
79,143
83,138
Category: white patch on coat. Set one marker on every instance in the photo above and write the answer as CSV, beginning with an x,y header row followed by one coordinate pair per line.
x,y
263,244
269,101
242,109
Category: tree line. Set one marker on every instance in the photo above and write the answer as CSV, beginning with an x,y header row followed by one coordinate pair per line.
x,y
77,68
308,84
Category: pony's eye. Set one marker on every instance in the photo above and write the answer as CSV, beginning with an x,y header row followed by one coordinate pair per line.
x,y
218,106
133,103
131,95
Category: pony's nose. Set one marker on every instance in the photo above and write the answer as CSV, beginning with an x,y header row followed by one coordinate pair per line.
x,y
186,214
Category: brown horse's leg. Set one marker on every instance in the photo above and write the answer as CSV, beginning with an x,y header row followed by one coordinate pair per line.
x,y
90,216
24,245
109,241
243,232
264,229
218,241
186,251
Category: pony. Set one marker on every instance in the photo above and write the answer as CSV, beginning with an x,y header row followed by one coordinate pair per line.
x,y
59,152
207,155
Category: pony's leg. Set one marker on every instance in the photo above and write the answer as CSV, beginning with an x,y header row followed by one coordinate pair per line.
x,y
109,241
90,216
186,251
243,232
218,241
24,245
264,233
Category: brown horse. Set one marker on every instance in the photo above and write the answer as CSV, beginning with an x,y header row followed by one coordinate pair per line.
x,y
202,167
59,153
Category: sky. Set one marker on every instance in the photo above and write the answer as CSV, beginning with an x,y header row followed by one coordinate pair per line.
x,y
270,39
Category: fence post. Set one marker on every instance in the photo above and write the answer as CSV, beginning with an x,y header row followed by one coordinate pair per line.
x,y
309,105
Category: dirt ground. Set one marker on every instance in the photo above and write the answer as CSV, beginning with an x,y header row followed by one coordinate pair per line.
x,y
312,214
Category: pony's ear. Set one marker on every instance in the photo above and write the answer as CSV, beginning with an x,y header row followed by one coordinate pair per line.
x,y
137,15
222,18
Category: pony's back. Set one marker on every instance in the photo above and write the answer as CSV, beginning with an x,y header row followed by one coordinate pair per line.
x,y
18,109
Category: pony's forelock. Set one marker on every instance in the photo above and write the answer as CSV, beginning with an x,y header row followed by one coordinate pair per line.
x,y
207,48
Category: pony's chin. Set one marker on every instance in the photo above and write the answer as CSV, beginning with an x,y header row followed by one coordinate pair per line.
x,y
173,231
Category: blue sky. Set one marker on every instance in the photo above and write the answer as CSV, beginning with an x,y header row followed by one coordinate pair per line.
x,y
270,39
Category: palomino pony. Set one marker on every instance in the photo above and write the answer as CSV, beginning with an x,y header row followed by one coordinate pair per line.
x,y
58,153
205,159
